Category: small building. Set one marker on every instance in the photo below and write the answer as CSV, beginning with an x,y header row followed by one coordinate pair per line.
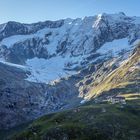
x,y
117,99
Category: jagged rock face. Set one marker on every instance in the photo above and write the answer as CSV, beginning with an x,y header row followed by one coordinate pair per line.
x,y
71,50
73,37
28,49
15,28
17,96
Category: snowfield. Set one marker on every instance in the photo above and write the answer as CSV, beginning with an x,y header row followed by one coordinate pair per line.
x,y
45,71
115,47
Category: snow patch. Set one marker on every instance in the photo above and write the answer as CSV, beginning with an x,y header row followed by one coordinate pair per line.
x,y
83,101
13,39
13,65
115,46
135,43
10,41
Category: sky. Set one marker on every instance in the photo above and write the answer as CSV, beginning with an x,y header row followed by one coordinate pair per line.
x,y
30,11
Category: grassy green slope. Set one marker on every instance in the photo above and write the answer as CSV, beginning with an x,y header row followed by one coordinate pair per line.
x,y
125,80
88,122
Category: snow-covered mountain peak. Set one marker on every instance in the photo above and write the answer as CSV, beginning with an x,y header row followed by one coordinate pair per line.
x,y
97,21
76,43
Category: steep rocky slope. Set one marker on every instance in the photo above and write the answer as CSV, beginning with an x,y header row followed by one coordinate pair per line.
x,y
22,101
